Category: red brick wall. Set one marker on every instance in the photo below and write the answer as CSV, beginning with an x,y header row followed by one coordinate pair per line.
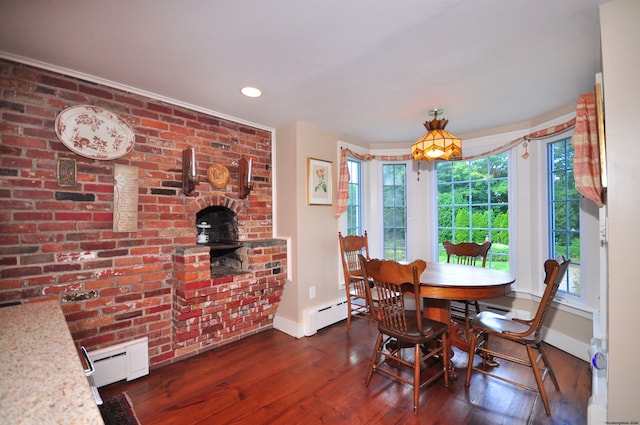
x,y
57,242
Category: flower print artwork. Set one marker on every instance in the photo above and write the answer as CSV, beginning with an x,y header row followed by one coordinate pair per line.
x,y
319,182
321,175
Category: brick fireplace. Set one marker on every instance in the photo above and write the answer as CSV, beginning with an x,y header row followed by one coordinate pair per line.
x,y
212,307
58,243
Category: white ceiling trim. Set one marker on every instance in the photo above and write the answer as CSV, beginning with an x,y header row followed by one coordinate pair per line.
x,y
123,87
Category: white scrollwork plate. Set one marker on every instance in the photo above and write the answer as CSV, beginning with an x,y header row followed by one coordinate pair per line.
x,y
94,132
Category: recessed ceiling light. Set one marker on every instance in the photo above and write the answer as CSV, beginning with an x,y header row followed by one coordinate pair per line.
x,y
251,92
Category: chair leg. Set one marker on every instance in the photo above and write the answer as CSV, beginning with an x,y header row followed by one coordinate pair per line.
x,y
374,357
536,372
472,352
445,358
550,371
416,377
487,359
348,313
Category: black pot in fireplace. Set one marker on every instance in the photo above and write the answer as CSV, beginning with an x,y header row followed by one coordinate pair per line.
x,y
222,238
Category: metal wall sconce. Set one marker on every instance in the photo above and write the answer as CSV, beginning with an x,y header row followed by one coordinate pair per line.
x,y
189,177
244,177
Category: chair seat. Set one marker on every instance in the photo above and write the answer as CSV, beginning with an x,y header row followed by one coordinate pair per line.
x,y
359,302
490,322
374,295
430,328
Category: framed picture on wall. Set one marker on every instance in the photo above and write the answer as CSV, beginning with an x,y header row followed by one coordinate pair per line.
x,y
319,182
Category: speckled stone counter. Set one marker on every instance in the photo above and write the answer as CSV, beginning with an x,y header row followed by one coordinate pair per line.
x,y
41,376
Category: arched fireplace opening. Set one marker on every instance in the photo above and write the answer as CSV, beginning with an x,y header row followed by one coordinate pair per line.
x,y
228,256
223,222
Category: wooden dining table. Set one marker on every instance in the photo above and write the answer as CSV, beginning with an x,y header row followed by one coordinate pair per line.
x,y
441,283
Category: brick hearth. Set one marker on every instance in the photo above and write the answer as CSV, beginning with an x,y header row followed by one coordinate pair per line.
x,y
209,312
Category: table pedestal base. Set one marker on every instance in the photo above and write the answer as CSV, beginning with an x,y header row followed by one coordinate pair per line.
x,y
440,310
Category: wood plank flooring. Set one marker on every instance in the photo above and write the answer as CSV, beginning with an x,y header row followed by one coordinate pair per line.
x,y
273,378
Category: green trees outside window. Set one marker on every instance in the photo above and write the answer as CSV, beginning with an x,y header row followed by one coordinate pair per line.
x,y
564,212
473,205
394,211
354,203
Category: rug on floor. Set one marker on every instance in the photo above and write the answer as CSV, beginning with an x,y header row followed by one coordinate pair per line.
x,y
118,410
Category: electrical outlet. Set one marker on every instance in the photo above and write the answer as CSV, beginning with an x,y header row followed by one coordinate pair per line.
x,y
312,292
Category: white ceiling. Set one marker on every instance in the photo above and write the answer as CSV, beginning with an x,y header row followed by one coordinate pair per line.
x,y
367,69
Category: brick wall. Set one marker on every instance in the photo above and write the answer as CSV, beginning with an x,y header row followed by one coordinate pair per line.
x,y
210,312
58,243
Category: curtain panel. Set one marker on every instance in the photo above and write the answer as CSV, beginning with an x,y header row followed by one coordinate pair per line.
x,y
586,162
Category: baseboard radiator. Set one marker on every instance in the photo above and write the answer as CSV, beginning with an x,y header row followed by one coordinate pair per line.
x,y
510,313
129,360
320,317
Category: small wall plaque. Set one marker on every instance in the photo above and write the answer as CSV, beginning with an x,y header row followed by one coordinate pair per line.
x,y
125,198
67,171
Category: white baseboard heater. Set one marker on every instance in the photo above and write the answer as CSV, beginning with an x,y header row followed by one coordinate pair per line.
x,y
321,317
505,311
129,360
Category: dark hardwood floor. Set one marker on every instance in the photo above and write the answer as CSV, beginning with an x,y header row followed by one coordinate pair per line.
x,y
273,378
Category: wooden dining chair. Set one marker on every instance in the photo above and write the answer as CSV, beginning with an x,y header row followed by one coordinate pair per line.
x,y
350,247
400,328
467,253
487,325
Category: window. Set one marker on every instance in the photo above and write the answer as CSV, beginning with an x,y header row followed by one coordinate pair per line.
x,y
354,203
473,205
564,212
394,211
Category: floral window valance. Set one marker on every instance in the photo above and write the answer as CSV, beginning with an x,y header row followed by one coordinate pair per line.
x,y
343,179
584,140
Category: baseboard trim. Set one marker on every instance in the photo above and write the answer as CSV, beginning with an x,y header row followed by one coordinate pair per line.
x,y
567,344
559,340
289,327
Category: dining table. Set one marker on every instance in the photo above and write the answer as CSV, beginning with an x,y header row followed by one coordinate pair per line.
x,y
442,283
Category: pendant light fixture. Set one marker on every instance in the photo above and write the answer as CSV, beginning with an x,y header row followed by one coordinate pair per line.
x,y
437,143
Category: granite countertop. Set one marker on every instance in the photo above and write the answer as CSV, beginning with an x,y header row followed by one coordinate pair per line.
x,y
41,374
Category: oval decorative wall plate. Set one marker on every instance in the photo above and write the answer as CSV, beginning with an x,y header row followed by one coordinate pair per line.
x,y
218,175
94,132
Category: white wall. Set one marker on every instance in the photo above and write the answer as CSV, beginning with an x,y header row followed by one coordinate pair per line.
x,y
620,34
313,229
285,221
